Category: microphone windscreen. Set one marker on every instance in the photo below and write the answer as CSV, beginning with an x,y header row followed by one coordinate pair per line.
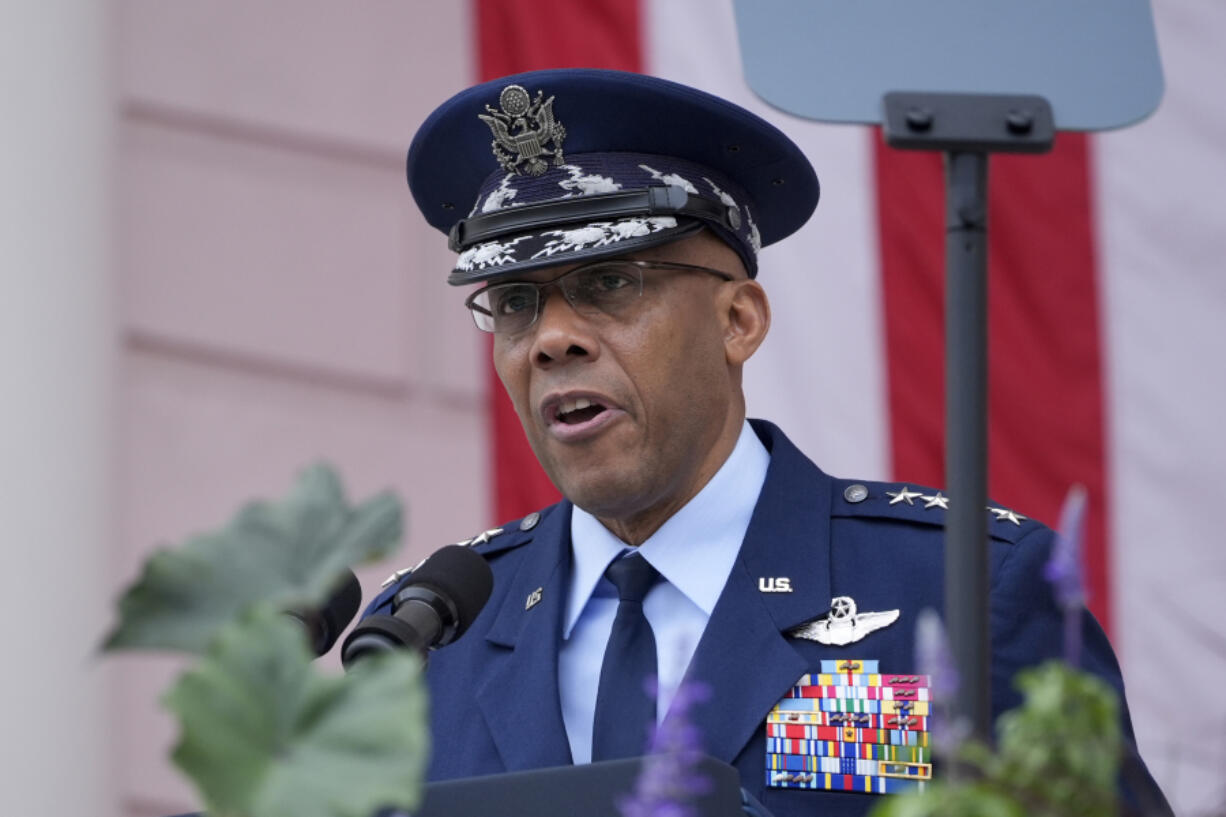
x,y
340,609
461,575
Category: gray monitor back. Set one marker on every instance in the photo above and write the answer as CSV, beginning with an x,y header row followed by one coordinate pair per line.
x,y
1095,61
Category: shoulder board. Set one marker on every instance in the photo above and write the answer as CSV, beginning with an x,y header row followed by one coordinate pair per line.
x,y
923,506
495,540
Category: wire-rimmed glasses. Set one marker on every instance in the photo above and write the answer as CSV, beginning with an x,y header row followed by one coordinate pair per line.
x,y
602,287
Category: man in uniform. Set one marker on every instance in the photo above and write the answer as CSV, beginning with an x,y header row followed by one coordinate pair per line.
x,y
612,222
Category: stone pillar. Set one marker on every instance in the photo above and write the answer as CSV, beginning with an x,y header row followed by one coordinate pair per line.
x,y
57,353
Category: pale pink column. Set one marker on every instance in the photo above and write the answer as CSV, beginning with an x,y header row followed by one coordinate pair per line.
x,y
57,342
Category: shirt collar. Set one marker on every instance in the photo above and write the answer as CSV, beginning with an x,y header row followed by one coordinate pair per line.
x,y
694,549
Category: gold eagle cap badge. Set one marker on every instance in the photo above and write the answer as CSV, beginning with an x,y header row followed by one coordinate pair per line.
x,y
525,131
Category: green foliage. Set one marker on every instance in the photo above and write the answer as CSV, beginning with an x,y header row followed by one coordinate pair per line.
x,y
947,800
264,735
1062,748
1057,754
281,554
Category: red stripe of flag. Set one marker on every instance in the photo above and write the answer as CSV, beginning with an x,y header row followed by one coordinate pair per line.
x,y
526,35
1046,384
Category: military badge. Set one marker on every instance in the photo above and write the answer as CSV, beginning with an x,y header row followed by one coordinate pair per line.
x,y
534,598
524,131
482,538
851,728
396,576
1006,515
842,624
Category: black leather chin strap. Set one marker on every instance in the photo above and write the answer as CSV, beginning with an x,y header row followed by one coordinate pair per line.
x,y
663,200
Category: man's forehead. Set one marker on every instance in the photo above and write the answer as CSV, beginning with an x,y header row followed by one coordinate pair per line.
x,y
533,173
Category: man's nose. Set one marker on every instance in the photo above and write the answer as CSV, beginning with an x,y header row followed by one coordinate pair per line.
x,y
562,334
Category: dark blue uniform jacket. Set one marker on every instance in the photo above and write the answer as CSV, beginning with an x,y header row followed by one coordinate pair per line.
x,y
494,693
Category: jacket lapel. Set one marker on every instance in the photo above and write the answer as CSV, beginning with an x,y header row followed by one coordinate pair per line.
x,y
743,656
519,699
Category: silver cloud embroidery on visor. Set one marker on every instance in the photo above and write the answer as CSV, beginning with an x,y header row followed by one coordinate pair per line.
x,y
602,233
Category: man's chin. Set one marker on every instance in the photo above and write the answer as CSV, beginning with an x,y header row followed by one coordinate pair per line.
x,y
603,490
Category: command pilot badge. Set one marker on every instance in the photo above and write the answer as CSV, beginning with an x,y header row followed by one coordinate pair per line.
x,y
842,624
524,131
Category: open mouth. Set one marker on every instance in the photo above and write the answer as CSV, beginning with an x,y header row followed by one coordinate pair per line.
x,y
578,411
574,418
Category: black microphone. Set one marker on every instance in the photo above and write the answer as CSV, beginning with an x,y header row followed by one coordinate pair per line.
x,y
325,624
441,599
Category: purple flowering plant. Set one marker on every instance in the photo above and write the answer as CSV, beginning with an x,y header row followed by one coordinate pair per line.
x,y
1064,570
669,782
934,658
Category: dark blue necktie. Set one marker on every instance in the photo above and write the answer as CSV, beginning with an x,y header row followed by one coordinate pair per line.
x,y
625,711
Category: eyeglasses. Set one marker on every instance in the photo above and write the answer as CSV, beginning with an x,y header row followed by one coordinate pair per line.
x,y
599,288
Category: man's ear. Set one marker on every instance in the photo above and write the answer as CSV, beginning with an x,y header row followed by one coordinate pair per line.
x,y
747,316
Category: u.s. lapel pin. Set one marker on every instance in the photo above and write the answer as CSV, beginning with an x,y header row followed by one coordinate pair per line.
x,y
842,624
774,584
534,598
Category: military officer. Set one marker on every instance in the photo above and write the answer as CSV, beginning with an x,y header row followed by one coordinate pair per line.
x,y
611,223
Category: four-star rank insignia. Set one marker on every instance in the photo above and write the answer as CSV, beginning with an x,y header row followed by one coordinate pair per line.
x,y
905,496
524,131
480,539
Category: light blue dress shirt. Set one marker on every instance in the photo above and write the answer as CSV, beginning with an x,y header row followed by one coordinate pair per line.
x,y
694,551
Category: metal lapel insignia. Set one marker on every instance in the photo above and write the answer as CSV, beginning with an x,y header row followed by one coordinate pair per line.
x,y
842,624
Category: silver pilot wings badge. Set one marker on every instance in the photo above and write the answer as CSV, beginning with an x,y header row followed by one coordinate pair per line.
x,y
842,624
524,131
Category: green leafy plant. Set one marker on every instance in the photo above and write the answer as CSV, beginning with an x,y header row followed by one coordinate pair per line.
x,y
263,732
277,554
1057,754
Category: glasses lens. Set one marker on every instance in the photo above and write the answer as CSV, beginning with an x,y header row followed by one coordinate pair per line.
x,y
603,287
505,307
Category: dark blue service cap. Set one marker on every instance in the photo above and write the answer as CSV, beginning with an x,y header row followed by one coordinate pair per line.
x,y
568,165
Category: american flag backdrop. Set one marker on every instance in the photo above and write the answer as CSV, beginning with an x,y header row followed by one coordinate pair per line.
x,y
1107,327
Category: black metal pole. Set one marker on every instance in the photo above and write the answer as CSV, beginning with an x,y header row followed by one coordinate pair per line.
x,y
966,437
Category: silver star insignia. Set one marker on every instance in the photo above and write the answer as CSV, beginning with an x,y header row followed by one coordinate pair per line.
x,y
1004,514
485,536
481,538
905,495
937,501
397,576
